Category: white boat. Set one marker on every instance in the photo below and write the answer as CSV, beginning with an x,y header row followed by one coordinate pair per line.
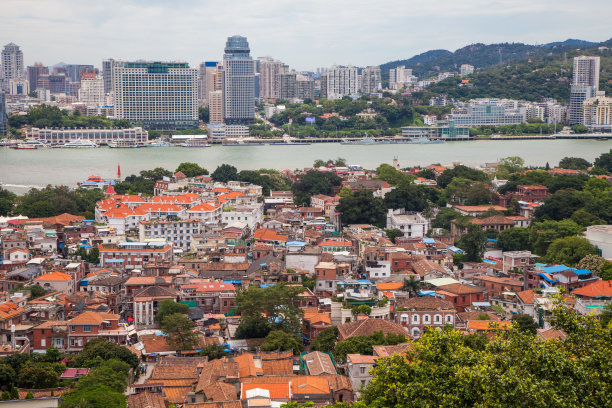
x,y
160,143
80,144
31,145
123,144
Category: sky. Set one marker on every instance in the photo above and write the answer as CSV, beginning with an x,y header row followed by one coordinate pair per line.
x,y
304,34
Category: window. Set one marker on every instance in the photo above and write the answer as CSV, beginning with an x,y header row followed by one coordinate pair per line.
x,y
415,318
426,318
437,319
362,370
43,342
449,319
72,328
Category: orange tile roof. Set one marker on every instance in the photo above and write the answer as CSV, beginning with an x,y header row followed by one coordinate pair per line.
x,y
477,208
232,195
175,199
127,198
488,325
9,310
204,207
54,276
265,234
361,359
90,317
154,207
277,390
221,190
600,288
247,367
335,243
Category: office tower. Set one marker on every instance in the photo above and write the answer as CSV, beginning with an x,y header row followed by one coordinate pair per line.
x,y
215,106
304,87
585,84
238,82
370,80
56,84
3,120
74,72
12,63
270,71
323,85
34,72
107,74
207,80
161,95
342,81
91,92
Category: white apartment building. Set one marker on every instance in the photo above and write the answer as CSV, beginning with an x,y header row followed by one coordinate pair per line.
x,y
99,136
342,81
371,80
177,232
466,69
215,107
206,80
91,92
162,95
411,225
597,113
585,84
250,215
269,77
207,213
219,131
401,76
11,62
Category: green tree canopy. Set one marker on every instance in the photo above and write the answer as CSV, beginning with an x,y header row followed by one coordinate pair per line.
x,y
281,340
569,250
604,161
473,244
179,329
462,172
326,340
191,169
99,350
213,351
168,307
225,173
312,183
361,207
574,163
525,323
96,396
514,239
407,196
37,376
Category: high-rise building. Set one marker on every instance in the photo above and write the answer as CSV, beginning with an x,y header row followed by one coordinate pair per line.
x,y
342,81
56,84
91,92
34,72
206,80
323,85
370,80
304,87
3,119
75,71
270,71
466,69
107,73
12,63
400,76
215,106
288,85
585,84
238,82
161,95
19,86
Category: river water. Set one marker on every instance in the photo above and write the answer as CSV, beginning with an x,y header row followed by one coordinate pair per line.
x,y
23,169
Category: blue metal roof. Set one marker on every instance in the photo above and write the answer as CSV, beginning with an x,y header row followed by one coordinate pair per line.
x,y
295,243
489,261
429,240
455,249
547,279
364,281
114,260
582,271
555,269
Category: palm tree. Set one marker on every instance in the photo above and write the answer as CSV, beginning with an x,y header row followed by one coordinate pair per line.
x,y
412,286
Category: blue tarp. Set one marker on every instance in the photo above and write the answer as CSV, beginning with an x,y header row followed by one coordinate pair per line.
x,y
364,282
429,240
119,260
233,282
427,293
548,279
582,271
491,240
455,249
295,243
489,261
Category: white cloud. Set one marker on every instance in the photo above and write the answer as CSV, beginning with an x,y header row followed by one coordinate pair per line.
x,y
304,34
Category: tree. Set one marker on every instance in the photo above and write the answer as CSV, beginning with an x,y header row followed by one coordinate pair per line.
x,y
574,163
37,376
514,239
580,129
312,183
98,350
325,340
412,286
407,196
606,315
478,194
473,244
525,323
281,340
97,396
345,191
168,307
462,172
542,234
428,174
204,114
391,175
444,218
279,304
593,263
36,291
213,351
52,355
225,173
7,202
569,250
29,395
7,375
604,161
191,169
509,165
112,374
179,329
393,233
361,310
309,282
361,207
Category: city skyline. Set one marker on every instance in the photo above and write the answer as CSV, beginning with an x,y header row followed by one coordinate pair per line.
x,y
305,36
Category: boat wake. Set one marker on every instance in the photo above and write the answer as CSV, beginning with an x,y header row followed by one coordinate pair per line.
x,y
19,185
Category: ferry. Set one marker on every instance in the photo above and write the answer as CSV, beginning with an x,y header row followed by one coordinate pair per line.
x,y
31,145
80,144
123,144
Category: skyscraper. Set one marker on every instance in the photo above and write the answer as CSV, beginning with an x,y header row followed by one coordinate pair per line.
x,y
370,80
107,74
34,72
161,95
238,82
585,84
206,80
12,63
2,113
92,90
270,71
215,107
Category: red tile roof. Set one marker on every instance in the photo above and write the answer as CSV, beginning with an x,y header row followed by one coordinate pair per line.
x,y
597,289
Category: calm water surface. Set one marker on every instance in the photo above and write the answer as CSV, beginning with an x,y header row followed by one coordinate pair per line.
x,y
22,169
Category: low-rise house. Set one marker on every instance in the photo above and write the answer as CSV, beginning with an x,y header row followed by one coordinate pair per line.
x,y
207,213
367,327
134,255
317,363
332,245
146,302
10,314
177,232
460,295
251,215
496,286
412,225
359,368
212,297
57,281
477,210
418,313
517,260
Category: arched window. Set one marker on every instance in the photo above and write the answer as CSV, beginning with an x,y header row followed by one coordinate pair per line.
x,y
426,319
404,318
449,319
416,332
438,319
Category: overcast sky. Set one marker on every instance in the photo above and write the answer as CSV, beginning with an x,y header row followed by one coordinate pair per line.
x,y
304,34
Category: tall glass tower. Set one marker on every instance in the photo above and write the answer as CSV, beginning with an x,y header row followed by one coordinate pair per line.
x,y
238,82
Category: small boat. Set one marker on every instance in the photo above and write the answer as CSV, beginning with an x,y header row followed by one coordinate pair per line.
x,y
80,144
159,143
31,145
288,143
123,144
